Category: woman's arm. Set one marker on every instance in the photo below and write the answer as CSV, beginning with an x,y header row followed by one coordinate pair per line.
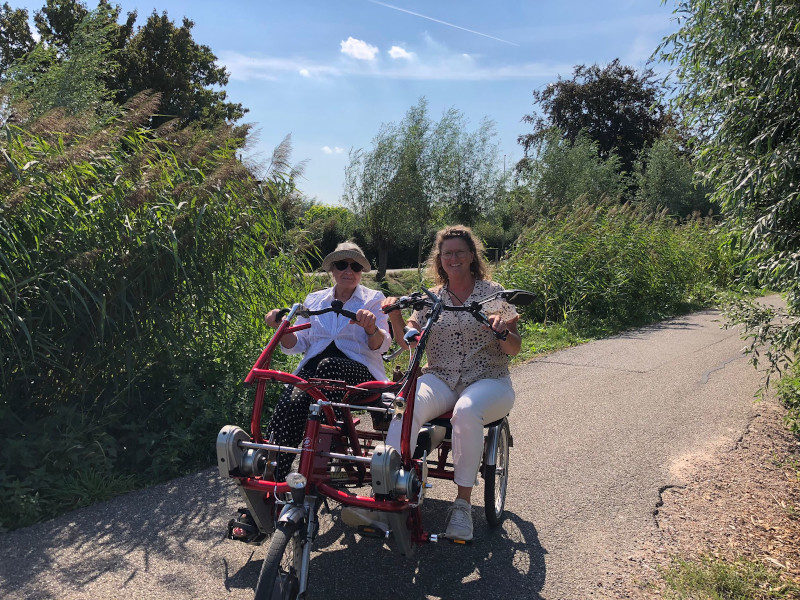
x,y
396,319
513,342
289,340
375,335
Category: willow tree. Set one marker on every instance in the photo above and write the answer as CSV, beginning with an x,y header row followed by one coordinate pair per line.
x,y
738,83
420,174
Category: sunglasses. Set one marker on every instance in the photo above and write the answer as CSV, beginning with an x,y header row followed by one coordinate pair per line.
x,y
342,265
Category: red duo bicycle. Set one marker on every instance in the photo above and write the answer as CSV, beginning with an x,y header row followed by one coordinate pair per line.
x,y
340,456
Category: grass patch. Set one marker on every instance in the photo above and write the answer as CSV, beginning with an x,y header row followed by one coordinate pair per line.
x,y
789,395
539,338
711,578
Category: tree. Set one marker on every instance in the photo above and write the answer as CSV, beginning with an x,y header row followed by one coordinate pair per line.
x,y
73,80
464,170
158,56
15,36
617,107
165,58
563,171
427,172
57,19
665,179
369,185
739,86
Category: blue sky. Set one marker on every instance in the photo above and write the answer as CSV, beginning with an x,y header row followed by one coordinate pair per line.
x,y
330,72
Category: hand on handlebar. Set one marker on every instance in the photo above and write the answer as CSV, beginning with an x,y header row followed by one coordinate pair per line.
x,y
388,304
366,319
274,317
498,326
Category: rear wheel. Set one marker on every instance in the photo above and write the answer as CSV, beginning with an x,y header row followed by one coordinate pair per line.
x,y
280,572
496,477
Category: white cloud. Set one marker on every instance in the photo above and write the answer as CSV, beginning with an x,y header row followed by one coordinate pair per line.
x,y
334,150
438,64
245,68
398,52
359,49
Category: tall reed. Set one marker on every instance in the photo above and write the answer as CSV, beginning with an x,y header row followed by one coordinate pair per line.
x,y
612,265
135,269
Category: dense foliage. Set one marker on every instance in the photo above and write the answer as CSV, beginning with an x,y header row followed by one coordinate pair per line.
x,y
738,83
159,56
616,107
564,172
608,265
136,269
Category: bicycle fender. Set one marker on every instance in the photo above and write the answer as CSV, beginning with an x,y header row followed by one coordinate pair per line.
x,y
293,513
492,436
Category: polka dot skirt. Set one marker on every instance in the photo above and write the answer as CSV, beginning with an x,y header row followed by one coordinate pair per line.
x,y
288,422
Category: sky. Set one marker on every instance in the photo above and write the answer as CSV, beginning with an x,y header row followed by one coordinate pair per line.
x,y
331,72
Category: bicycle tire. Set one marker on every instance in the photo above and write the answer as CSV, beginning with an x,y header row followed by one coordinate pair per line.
x,y
496,478
279,577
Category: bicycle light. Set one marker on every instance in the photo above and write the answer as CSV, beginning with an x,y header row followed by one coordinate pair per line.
x,y
297,484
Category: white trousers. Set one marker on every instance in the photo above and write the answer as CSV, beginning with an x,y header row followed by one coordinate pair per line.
x,y
473,406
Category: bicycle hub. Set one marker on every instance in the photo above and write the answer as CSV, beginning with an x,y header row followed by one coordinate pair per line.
x,y
389,477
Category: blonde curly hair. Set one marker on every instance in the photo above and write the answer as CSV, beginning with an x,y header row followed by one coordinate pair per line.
x,y
478,267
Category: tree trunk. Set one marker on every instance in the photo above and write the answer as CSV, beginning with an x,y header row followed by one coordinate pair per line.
x,y
383,259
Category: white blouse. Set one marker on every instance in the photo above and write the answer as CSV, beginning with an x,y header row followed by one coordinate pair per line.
x,y
350,339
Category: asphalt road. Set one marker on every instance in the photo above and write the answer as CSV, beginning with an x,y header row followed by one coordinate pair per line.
x,y
599,431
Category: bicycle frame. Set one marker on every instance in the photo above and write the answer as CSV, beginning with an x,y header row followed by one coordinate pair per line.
x,y
339,442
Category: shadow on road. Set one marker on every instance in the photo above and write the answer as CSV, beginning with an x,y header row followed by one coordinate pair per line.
x,y
125,538
507,561
678,323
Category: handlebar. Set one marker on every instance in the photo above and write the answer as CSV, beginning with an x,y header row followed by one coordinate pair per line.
x,y
419,301
336,307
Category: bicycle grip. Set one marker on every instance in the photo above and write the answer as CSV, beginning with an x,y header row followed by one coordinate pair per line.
x,y
391,307
337,307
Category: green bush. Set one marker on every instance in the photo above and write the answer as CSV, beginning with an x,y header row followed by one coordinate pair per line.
x,y
789,394
608,265
135,270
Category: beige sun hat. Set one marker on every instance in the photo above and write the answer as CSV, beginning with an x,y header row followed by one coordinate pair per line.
x,y
346,251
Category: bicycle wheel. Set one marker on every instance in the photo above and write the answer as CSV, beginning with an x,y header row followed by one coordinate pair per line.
x,y
280,572
496,478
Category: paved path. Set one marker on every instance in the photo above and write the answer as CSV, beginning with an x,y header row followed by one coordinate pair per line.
x,y
599,430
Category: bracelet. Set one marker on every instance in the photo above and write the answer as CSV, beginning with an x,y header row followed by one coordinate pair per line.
x,y
377,329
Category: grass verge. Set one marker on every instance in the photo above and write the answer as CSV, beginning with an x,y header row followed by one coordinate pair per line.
x,y
712,578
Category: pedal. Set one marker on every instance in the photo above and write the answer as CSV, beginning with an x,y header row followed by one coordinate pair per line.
x,y
460,542
443,536
242,528
373,532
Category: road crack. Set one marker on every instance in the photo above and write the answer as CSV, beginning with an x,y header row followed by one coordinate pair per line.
x,y
660,501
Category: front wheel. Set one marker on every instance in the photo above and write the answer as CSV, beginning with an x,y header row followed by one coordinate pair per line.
x,y
496,477
280,572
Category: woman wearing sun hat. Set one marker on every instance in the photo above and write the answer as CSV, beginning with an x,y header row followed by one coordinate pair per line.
x,y
334,347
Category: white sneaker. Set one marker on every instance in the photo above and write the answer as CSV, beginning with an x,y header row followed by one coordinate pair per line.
x,y
459,525
361,517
